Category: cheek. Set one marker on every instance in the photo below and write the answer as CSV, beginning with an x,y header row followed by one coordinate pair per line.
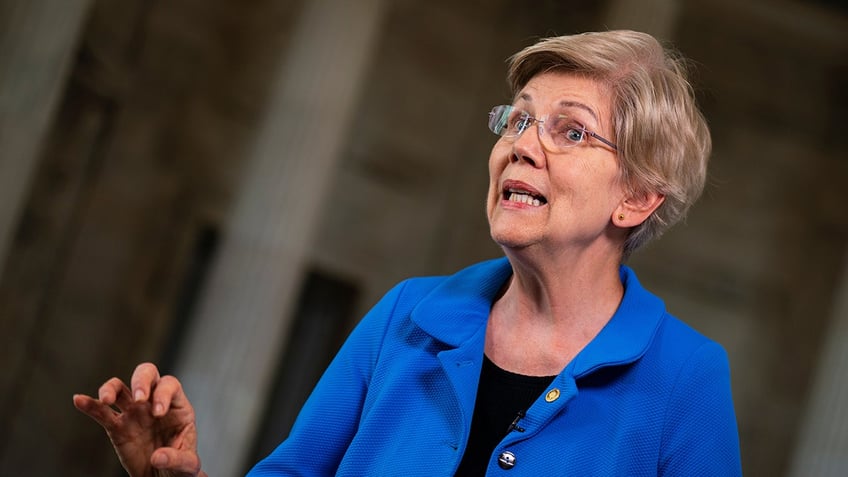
x,y
586,184
607,195
492,195
498,160
499,157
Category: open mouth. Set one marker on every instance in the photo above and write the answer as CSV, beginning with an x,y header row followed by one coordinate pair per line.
x,y
522,196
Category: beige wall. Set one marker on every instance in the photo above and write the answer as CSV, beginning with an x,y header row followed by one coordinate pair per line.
x,y
168,105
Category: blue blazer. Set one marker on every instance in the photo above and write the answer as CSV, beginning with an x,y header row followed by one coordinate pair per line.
x,y
647,396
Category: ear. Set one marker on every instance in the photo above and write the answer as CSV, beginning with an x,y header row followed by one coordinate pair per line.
x,y
632,211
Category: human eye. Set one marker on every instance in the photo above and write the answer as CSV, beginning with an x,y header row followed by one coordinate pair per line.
x,y
567,132
516,122
575,134
502,120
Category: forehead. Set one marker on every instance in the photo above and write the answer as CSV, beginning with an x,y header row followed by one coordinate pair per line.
x,y
556,90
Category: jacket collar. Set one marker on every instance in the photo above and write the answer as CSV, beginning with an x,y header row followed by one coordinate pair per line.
x,y
454,311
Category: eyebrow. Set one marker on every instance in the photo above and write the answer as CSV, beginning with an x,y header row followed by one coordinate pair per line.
x,y
568,104
576,104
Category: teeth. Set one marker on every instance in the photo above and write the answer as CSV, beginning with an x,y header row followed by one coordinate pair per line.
x,y
524,199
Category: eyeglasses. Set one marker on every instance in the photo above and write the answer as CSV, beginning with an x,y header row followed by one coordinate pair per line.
x,y
559,132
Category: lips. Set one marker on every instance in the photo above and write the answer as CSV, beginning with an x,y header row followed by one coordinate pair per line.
x,y
522,193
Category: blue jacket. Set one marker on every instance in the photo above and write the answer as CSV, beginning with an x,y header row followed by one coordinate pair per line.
x,y
647,396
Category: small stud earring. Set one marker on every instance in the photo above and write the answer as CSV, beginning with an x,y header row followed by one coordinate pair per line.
x,y
620,216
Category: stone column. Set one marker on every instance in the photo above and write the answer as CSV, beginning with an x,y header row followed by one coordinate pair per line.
x,y
237,335
38,40
822,448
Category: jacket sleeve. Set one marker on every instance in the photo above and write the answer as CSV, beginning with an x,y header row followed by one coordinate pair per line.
x,y
329,418
700,435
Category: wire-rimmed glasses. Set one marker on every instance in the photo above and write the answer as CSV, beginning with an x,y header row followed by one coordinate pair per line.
x,y
557,132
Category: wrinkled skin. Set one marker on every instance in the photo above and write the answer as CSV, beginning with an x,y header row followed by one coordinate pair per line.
x,y
150,423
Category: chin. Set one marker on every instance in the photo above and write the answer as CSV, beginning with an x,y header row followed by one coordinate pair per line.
x,y
510,239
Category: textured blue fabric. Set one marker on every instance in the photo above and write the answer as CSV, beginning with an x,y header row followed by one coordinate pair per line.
x,y
648,396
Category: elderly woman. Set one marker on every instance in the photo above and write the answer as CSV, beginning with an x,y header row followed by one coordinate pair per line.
x,y
551,361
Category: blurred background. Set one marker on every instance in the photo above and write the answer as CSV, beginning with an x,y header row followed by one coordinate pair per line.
x,y
224,187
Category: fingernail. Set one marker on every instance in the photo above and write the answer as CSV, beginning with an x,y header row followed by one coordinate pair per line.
x,y
139,395
158,409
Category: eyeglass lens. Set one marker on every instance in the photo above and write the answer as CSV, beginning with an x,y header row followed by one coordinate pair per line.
x,y
560,128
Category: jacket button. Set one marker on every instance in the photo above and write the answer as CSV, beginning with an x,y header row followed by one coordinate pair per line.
x,y
552,395
506,460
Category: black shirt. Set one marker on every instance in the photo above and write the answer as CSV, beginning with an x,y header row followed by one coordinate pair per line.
x,y
501,396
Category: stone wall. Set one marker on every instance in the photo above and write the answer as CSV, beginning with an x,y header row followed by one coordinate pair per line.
x,y
139,163
160,117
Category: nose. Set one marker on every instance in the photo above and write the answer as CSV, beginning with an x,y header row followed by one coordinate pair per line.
x,y
527,147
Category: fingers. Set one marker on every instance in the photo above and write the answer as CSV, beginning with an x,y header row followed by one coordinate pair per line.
x,y
168,458
167,394
97,410
114,391
163,393
144,378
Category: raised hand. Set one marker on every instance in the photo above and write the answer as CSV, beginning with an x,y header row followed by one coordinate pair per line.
x,y
151,424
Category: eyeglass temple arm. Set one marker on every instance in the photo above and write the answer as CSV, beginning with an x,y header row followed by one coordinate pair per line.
x,y
599,138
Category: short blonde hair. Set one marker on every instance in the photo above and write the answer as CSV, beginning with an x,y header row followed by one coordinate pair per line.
x,y
662,137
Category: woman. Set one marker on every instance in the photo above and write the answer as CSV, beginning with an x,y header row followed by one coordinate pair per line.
x,y
550,361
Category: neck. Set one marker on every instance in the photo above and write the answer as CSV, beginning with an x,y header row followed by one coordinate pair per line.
x,y
549,311
565,288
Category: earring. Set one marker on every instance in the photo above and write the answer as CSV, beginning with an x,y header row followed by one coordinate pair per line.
x,y
620,216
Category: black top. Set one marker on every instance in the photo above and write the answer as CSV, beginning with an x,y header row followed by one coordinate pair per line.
x,y
502,398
